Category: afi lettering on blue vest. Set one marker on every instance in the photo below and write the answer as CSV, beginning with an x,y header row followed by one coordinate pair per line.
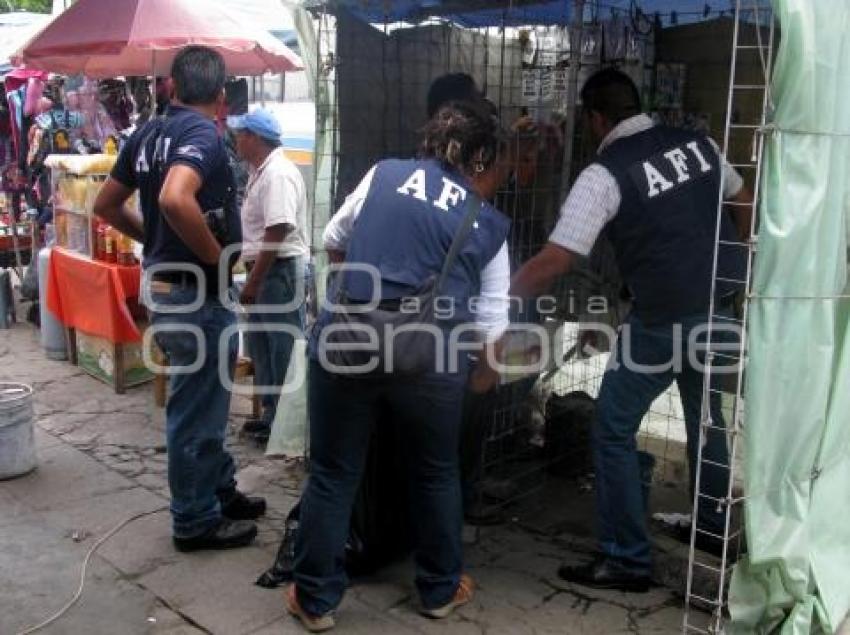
x,y
678,160
406,226
665,229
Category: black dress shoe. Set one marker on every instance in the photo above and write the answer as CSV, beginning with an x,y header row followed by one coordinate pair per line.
x,y
237,506
606,573
228,534
257,426
481,514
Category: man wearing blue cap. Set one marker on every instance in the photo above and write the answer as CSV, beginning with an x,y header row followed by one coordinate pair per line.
x,y
274,245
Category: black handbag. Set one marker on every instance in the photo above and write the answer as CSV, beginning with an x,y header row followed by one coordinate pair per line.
x,y
403,338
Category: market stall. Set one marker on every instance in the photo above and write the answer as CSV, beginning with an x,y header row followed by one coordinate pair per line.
x,y
94,276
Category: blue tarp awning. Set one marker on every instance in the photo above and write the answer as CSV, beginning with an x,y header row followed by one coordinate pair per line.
x,y
547,12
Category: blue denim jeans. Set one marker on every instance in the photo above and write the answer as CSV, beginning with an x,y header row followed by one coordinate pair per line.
x,y
271,349
625,397
199,465
342,412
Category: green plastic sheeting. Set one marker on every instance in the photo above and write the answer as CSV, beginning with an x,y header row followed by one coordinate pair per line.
x,y
797,435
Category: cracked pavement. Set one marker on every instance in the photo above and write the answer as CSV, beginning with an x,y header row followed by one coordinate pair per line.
x,y
102,459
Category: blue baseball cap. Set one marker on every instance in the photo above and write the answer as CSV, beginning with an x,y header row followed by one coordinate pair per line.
x,y
260,121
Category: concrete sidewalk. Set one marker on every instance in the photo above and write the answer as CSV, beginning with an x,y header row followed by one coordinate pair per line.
x,y
101,460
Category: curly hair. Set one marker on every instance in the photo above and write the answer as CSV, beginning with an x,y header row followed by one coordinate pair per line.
x,y
465,135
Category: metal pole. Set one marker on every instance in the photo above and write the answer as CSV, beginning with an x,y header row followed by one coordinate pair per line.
x,y
153,84
576,27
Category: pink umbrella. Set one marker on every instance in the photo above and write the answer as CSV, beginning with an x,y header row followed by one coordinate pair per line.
x,y
106,38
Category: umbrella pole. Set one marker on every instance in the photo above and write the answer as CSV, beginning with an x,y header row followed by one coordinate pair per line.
x,y
153,84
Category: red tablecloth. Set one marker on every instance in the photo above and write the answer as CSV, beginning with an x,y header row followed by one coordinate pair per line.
x,y
91,296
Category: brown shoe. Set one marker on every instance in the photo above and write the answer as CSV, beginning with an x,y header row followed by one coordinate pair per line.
x,y
312,623
463,595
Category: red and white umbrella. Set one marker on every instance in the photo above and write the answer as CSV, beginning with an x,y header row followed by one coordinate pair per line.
x,y
107,38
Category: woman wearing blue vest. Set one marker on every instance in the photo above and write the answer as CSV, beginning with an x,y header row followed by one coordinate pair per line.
x,y
401,223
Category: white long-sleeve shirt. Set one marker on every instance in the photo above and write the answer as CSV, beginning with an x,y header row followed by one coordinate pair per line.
x,y
491,311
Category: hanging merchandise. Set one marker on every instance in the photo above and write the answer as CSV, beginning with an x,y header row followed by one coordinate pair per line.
x,y
528,43
562,39
16,99
559,87
547,55
35,90
614,39
110,146
547,85
98,124
591,44
634,52
113,96
530,86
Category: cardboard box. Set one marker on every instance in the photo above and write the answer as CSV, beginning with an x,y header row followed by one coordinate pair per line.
x,y
120,365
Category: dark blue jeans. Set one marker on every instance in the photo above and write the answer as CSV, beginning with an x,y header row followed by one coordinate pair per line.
x,y
199,465
271,349
624,399
342,412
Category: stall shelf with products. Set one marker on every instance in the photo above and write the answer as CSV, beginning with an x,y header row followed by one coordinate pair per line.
x,y
94,277
76,181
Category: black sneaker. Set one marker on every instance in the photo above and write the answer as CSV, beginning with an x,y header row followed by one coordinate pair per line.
x,y
228,534
606,573
237,506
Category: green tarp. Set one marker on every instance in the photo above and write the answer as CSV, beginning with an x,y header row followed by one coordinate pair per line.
x,y
796,578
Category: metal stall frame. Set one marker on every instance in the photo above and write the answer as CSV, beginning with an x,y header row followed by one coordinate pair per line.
x,y
733,532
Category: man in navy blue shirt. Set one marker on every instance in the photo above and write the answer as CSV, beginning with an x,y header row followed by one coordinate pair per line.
x,y
180,167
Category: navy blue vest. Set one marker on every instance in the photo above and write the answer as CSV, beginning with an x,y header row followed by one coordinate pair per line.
x,y
664,231
405,228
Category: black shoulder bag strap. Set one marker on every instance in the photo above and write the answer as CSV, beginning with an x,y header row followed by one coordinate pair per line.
x,y
472,209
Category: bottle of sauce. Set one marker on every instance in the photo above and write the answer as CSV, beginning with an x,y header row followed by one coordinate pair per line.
x,y
100,241
110,253
125,251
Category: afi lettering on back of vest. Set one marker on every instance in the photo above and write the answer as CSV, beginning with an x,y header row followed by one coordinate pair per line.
x,y
678,160
665,228
693,146
655,180
452,194
414,186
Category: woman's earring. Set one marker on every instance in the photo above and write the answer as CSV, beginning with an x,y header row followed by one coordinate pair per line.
x,y
479,168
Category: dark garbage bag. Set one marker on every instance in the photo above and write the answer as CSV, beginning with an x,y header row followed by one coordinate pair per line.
x,y
569,434
380,531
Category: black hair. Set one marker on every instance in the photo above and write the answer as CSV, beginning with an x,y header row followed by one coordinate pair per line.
x,y
611,93
451,87
199,75
464,134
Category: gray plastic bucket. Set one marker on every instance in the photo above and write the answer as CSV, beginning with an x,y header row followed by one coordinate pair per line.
x,y
17,440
